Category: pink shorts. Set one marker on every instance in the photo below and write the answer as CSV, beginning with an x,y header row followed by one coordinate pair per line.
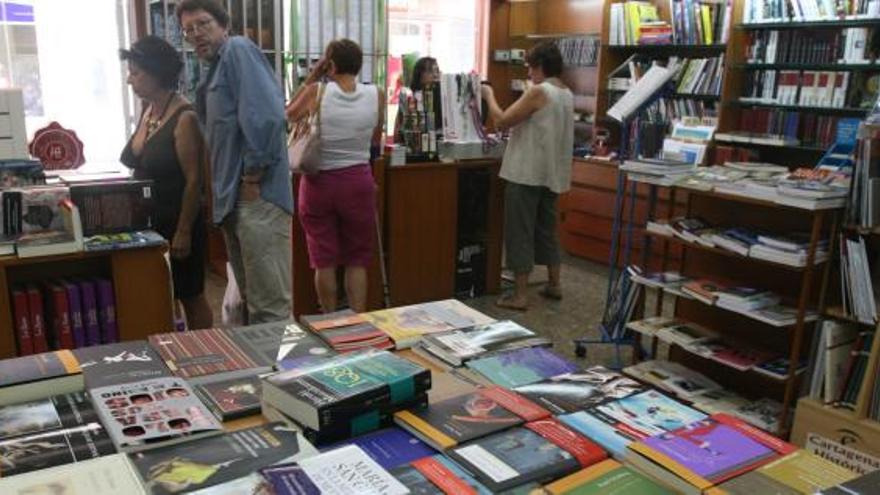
x,y
337,209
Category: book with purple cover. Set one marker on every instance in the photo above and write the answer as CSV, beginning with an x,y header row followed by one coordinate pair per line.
x,y
90,312
390,447
74,305
520,367
106,310
707,452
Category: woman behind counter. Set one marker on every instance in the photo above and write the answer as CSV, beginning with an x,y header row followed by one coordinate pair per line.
x,y
537,168
168,149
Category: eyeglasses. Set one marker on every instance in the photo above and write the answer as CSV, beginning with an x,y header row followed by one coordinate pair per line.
x,y
200,26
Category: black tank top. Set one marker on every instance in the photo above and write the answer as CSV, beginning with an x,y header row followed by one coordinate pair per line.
x,y
158,162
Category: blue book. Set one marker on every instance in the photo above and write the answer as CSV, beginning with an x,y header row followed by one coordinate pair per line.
x,y
520,367
741,234
390,447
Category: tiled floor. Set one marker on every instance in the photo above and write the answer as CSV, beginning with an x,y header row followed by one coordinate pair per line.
x,y
576,315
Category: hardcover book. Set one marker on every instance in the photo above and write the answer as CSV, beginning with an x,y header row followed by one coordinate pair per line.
x,y
37,319
74,305
458,346
209,355
50,432
232,399
37,376
300,348
124,362
706,453
108,475
40,209
153,413
513,369
106,301
521,455
581,390
344,470
344,386
210,464
460,419
608,476
60,328
91,322
22,321
390,447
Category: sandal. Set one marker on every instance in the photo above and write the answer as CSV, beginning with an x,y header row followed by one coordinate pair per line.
x,y
551,292
507,303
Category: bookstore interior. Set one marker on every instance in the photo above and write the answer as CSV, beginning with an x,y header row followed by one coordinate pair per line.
x,y
711,161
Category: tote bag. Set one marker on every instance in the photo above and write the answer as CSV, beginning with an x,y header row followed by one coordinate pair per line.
x,y
304,142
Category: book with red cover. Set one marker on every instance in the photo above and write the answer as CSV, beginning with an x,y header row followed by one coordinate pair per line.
x,y
538,452
22,321
740,358
106,310
347,331
60,327
706,453
208,355
703,289
90,312
74,307
38,319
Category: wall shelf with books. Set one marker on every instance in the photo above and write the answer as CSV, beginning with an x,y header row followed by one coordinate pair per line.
x,y
685,96
823,24
843,111
670,50
810,66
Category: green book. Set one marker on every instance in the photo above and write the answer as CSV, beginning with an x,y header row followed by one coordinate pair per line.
x,y
606,477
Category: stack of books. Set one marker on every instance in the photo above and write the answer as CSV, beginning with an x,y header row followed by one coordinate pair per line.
x,y
857,287
657,171
790,250
407,325
453,349
347,331
340,396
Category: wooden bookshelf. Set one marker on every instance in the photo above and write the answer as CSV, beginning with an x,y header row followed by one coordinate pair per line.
x,y
141,283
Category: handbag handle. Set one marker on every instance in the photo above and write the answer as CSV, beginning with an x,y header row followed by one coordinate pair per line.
x,y
305,123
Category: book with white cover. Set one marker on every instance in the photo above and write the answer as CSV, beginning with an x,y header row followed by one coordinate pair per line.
x,y
108,475
650,326
685,334
647,86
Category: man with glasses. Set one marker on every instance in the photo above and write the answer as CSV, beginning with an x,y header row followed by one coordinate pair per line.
x,y
241,107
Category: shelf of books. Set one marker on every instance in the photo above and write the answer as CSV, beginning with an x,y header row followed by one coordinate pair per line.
x,y
463,404
745,296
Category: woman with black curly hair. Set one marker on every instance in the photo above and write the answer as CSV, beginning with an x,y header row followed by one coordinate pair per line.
x,y
168,148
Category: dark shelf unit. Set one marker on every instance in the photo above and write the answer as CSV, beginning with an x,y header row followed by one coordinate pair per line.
x,y
827,67
837,23
843,112
670,50
799,148
682,96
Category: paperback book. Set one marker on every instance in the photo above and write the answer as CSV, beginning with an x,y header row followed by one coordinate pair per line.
x,y
211,463
50,432
453,421
36,376
232,399
390,447
437,475
538,452
459,346
299,347
108,475
519,367
116,364
345,386
346,331
153,413
608,476
407,324
572,392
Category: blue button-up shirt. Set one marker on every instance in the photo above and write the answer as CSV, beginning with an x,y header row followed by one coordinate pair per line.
x,y
245,127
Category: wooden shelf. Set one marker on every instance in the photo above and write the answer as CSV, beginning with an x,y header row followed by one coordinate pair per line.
x,y
751,201
805,149
684,96
846,111
670,50
795,66
835,23
837,313
729,254
553,36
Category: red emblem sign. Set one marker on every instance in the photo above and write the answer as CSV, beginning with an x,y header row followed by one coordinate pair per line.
x,y
57,147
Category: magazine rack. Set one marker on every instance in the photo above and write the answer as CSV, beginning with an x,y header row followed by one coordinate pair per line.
x,y
612,329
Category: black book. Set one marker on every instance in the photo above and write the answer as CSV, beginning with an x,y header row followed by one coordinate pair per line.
x,y
217,460
111,207
300,347
50,432
342,386
573,392
261,342
863,485
124,362
514,457
232,399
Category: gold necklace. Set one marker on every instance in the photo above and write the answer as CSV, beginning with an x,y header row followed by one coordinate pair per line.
x,y
153,124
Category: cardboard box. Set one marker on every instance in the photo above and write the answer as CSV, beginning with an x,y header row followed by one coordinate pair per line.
x,y
837,435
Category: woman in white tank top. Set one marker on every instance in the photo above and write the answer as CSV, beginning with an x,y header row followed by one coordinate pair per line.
x,y
536,168
337,206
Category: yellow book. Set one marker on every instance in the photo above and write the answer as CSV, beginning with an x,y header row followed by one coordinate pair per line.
x,y
573,481
806,472
706,12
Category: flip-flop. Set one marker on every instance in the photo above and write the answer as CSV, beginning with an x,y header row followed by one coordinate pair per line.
x,y
505,303
555,294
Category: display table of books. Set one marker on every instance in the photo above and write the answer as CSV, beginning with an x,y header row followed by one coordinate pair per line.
x,y
476,406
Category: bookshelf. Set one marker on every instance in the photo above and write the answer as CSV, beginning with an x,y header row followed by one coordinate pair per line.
x,y
802,288
141,282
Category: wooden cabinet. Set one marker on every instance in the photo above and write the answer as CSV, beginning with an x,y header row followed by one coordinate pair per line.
x,y
141,281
